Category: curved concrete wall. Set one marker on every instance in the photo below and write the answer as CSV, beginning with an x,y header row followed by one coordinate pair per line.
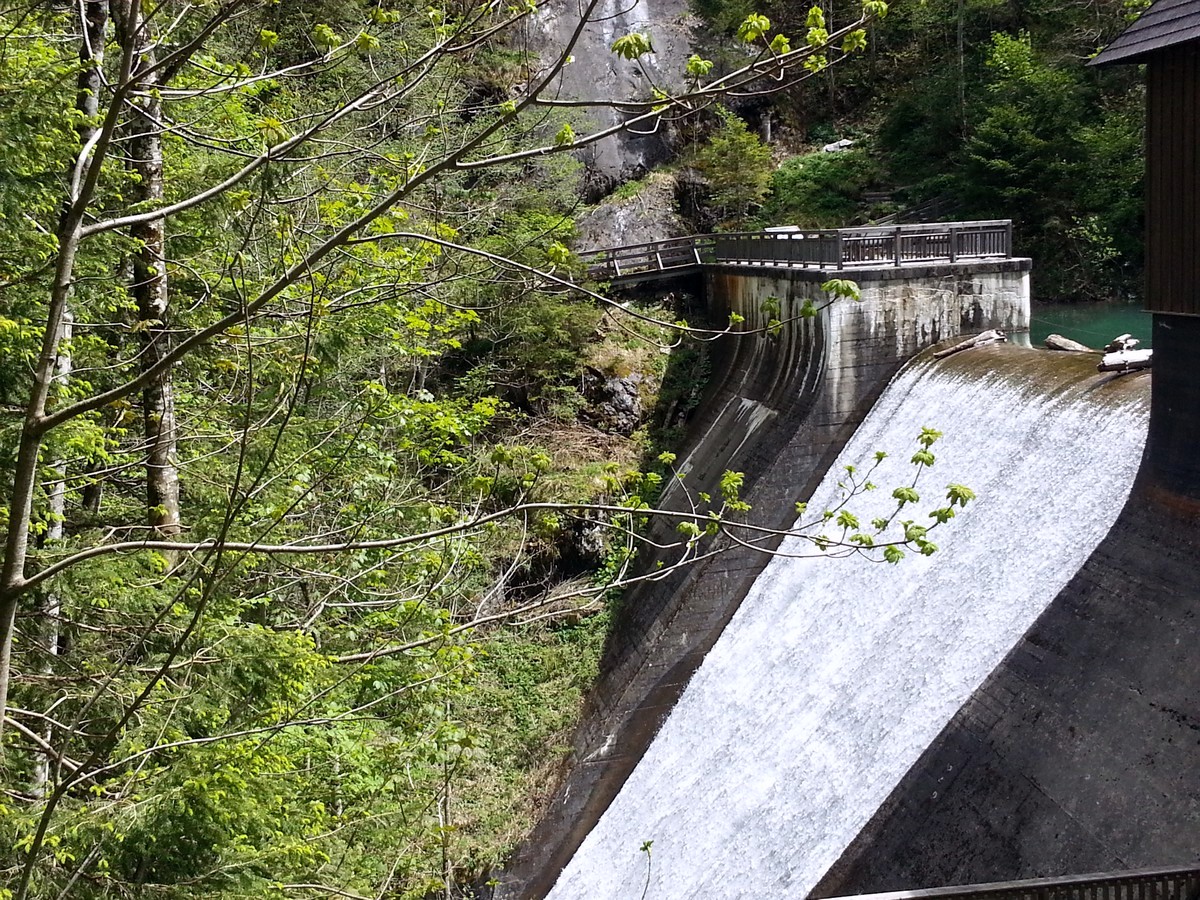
x,y
778,409
1081,752
834,675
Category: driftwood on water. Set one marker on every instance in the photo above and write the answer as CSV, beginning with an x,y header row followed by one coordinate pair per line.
x,y
987,337
1058,342
1125,361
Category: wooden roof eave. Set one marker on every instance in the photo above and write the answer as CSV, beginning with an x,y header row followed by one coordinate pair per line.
x,y
1167,23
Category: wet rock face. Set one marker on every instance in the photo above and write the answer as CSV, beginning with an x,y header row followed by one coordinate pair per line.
x,y
649,215
598,74
616,401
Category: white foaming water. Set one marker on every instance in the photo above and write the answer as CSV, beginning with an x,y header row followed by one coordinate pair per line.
x,y
834,675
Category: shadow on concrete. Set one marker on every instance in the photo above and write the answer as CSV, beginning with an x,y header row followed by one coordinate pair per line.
x,y
1081,752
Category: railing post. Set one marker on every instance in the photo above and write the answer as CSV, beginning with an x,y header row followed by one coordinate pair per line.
x,y
896,249
953,244
841,256
1008,239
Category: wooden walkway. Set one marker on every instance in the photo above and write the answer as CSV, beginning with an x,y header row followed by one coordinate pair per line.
x,y
842,248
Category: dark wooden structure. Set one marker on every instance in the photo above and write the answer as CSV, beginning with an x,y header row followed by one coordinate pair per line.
x,y
1169,883
1167,39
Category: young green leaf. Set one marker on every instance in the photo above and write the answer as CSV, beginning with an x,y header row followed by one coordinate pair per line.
x,y
843,288
923,458
856,40
753,28
698,67
632,45
959,494
565,136
324,37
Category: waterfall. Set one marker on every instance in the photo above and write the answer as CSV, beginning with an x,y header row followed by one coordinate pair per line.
x,y
835,674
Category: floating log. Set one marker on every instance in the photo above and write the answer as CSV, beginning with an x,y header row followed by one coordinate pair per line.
x,y
1058,342
987,337
1125,361
1121,342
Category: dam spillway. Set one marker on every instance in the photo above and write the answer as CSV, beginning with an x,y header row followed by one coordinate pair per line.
x,y
835,675
778,407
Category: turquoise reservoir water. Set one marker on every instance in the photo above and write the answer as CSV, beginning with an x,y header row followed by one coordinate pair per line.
x,y
1094,324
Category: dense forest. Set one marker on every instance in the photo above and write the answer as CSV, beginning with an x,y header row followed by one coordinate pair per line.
x,y
318,499
970,109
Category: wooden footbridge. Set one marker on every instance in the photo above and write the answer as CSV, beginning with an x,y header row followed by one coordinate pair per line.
x,y
790,247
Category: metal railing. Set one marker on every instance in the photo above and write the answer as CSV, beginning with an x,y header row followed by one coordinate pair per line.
x,y
874,246
1175,883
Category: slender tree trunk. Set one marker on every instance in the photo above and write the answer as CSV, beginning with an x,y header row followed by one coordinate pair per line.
x,y
962,73
50,613
87,101
150,285
25,480
93,493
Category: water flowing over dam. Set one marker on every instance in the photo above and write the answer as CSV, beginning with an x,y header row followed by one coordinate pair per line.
x,y
834,676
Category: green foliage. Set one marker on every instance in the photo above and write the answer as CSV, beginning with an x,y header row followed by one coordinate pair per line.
x,y
1035,154
725,16
738,167
753,28
565,136
362,404
842,288
820,190
632,46
698,67
1018,128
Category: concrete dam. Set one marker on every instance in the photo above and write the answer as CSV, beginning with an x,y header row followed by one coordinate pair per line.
x,y
1017,705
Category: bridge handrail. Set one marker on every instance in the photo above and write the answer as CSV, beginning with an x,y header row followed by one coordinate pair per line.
x,y
866,245
1164,883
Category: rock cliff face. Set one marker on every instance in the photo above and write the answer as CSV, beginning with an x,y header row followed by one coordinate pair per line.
x,y
649,215
597,74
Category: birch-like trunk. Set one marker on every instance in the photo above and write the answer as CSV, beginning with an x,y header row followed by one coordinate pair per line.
x,y
150,289
50,618
53,363
87,101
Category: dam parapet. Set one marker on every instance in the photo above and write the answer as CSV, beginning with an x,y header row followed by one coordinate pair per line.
x,y
783,397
